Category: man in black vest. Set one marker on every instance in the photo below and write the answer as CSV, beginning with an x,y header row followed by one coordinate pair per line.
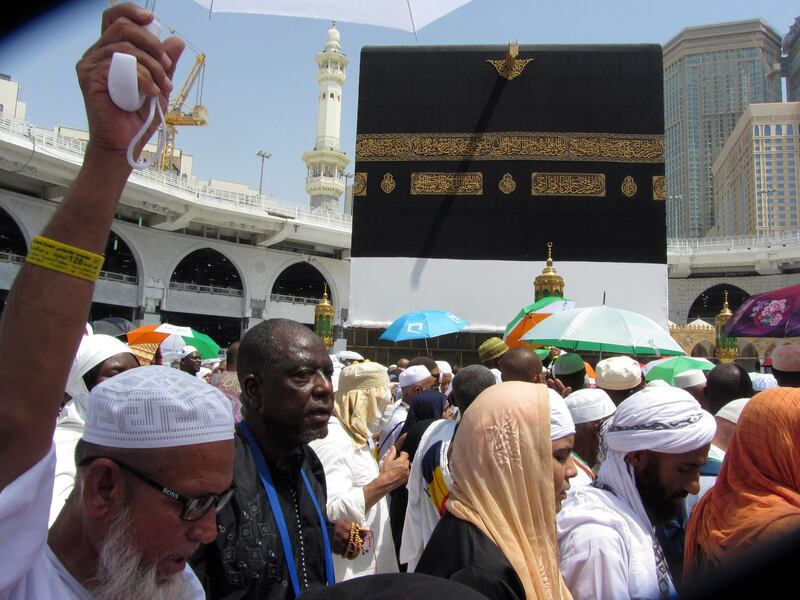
x,y
274,540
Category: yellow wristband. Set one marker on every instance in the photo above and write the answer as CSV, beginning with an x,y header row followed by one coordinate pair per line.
x,y
64,258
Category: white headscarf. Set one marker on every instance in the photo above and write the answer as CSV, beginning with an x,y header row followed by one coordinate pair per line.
x,y
561,424
94,349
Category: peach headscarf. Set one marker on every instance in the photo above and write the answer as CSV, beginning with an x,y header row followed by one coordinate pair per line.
x,y
364,393
758,486
502,464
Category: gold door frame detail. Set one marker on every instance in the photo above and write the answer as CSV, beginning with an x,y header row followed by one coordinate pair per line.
x,y
659,187
590,147
360,184
387,184
568,184
510,72
456,184
629,187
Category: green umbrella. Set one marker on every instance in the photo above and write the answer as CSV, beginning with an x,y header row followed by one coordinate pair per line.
x,y
667,368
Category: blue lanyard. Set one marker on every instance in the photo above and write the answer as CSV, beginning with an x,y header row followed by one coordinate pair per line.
x,y
277,512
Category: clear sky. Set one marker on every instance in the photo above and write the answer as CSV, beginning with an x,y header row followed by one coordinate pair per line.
x,y
260,81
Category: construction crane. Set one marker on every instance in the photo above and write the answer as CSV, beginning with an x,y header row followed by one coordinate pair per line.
x,y
179,115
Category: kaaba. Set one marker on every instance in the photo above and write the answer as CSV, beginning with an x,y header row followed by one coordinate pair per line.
x,y
469,160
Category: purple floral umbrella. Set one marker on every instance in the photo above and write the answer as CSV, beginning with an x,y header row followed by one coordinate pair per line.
x,y
771,314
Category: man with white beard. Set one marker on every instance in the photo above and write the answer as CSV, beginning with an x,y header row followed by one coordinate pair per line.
x,y
156,458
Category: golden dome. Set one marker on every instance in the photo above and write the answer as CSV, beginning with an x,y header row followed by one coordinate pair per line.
x,y
549,283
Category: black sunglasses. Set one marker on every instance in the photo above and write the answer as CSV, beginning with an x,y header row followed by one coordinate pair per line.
x,y
193,508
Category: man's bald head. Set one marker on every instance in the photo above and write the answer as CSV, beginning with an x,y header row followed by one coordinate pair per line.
x,y
725,383
521,364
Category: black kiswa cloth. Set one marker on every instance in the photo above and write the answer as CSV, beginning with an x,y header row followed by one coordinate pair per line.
x,y
600,95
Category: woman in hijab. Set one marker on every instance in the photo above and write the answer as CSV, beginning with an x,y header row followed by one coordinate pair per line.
x,y
511,466
356,485
756,497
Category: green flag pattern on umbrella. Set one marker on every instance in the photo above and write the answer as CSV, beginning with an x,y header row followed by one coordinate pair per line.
x,y
667,368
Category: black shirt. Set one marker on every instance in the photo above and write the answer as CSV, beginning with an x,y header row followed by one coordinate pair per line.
x,y
460,551
247,560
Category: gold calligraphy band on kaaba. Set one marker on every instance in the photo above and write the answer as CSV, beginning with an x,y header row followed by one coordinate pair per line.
x,y
454,184
582,147
568,184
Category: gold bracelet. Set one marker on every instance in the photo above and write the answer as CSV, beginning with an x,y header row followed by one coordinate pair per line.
x,y
64,258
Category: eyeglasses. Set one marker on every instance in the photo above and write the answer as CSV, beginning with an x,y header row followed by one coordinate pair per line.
x,y
194,508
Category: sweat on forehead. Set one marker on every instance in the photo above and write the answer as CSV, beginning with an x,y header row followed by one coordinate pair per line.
x,y
269,342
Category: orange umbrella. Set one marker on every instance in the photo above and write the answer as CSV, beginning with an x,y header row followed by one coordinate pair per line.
x,y
530,316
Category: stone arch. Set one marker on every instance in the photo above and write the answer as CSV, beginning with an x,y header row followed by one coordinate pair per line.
x,y
708,304
748,356
121,256
14,239
207,266
302,279
704,348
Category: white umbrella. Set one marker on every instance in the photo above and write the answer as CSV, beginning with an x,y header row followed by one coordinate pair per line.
x,y
603,329
406,15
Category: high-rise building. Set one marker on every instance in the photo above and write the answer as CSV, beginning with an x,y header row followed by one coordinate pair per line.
x,y
791,51
10,104
326,163
711,74
757,172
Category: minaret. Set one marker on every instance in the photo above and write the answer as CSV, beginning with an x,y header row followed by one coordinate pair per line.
x,y
325,181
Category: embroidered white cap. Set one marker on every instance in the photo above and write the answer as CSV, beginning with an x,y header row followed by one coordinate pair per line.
x,y
732,410
589,404
156,407
690,378
187,350
618,373
413,375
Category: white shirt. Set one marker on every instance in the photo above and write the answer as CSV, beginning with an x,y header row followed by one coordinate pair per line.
x,y
603,550
347,470
66,436
391,430
30,570
421,514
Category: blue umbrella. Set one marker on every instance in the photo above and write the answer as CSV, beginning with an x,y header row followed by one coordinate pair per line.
x,y
423,324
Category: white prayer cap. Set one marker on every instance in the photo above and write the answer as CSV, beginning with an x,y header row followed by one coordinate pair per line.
x,y
618,373
732,410
657,383
444,366
187,350
561,424
660,419
203,372
413,375
786,358
589,404
763,381
157,407
690,378
343,355
94,349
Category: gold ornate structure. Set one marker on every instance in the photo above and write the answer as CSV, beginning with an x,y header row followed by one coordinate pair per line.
x,y
727,350
568,184
510,66
323,319
360,184
549,283
507,184
387,184
659,187
514,145
458,184
629,187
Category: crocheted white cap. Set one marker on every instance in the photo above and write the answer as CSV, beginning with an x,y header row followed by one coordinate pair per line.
x,y
156,407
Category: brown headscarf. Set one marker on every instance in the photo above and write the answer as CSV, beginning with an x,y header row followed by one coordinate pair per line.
x,y
502,465
759,484
364,393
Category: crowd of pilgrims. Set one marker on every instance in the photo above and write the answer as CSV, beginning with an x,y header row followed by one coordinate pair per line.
x,y
286,471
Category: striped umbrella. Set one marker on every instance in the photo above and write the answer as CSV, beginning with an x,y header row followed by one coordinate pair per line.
x,y
532,315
